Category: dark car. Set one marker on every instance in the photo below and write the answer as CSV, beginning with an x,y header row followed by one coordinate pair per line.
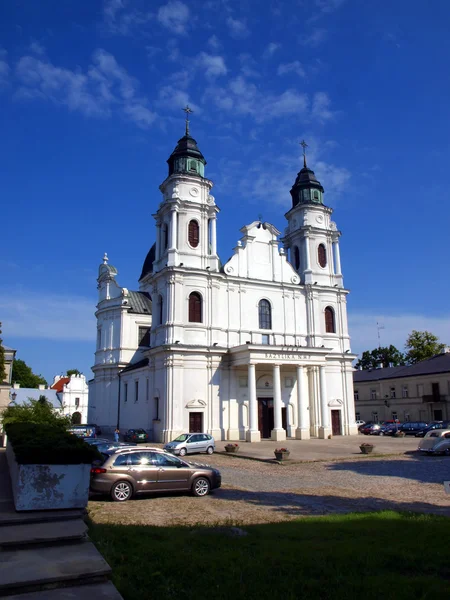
x,y
371,429
366,424
430,427
136,435
96,441
413,427
131,471
389,429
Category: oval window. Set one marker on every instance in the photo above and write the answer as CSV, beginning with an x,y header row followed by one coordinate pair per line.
x,y
322,255
194,233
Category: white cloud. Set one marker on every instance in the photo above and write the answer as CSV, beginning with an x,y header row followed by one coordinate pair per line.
x,y
328,6
321,107
214,42
313,39
104,88
212,66
174,16
120,21
293,67
238,29
363,329
271,49
32,315
37,48
334,179
4,68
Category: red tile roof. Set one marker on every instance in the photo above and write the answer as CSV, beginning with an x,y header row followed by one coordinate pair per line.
x,y
58,386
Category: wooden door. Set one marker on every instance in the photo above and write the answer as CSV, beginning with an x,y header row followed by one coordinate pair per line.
x,y
336,422
195,422
265,416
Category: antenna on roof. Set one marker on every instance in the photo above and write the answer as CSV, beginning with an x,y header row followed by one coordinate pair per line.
x,y
378,333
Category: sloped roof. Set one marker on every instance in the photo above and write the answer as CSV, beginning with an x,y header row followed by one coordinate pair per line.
x,y
432,366
140,303
59,385
23,395
134,366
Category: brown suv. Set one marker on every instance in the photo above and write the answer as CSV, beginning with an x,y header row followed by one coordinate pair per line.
x,y
130,471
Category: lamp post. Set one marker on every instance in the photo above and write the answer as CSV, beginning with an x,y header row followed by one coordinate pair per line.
x,y
13,396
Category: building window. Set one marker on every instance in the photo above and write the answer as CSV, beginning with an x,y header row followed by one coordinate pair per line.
x,y
373,394
265,314
357,416
136,391
322,255
392,392
316,195
330,326
193,233
375,417
193,166
420,389
195,308
407,416
99,338
405,393
296,258
77,402
144,337
355,395
165,236
265,339
394,416
125,392
156,400
160,307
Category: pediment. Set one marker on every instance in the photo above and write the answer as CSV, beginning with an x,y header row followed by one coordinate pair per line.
x,y
336,402
196,403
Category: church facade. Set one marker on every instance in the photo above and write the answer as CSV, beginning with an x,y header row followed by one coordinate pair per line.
x,y
255,348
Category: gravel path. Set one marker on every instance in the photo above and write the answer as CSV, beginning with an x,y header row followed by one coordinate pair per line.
x,y
256,492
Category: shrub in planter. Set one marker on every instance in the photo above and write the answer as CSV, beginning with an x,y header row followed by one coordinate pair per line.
x,y
282,453
366,448
231,447
49,467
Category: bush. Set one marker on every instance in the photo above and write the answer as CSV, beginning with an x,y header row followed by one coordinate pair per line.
x,y
35,411
46,444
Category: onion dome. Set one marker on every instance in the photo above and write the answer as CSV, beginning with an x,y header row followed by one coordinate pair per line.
x,y
307,189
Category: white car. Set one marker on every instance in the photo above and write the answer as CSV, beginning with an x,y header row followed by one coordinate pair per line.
x,y
359,423
188,443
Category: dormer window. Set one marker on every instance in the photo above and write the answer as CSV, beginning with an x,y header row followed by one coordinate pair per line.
x,y
316,195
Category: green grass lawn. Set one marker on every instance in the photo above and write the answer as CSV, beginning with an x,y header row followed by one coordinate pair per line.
x,y
384,555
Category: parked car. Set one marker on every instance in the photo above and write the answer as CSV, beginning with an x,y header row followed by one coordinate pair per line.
x,y
389,429
128,472
188,443
370,428
108,446
436,441
412,427
96,441
430,427
84,431
136,435
359,423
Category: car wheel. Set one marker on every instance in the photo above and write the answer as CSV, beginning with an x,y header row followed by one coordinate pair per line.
x,y
447,452
201,487
183,452
121,491
209,450
381,433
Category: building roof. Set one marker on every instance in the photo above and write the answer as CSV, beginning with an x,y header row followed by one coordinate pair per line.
x,y
432,366
8,349
59,385
24,395
136,365
139,302
147,267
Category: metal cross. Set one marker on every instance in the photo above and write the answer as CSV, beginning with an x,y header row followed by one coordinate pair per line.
x,y
187,110
304,145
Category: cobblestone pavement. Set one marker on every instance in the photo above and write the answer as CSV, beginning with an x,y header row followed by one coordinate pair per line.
x,y
257,492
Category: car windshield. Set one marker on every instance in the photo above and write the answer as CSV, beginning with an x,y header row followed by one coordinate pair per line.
x,y
140,431
434,434
182,438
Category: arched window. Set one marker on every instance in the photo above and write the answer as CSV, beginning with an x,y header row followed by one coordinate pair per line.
x,y
322,255
330,326
193,233
265,314
296,257
165,236
193,166
316,195
195,308
160,310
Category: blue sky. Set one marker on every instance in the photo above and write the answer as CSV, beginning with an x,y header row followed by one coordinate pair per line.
x,y
90,109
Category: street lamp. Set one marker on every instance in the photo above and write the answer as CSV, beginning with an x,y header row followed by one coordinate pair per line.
x,y
13,396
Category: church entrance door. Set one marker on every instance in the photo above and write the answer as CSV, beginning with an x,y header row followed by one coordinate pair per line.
x,y
265,417
195,422
336,422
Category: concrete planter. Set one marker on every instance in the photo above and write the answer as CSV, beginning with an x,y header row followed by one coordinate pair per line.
x,y
366,449
231,448
282,455
45,487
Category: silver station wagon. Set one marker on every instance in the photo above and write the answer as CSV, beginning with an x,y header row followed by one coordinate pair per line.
x,y
189,443
436,442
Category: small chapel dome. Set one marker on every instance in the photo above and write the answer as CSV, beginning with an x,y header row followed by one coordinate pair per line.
x,y
147,267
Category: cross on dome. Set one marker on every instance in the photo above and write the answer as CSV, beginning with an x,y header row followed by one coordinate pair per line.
x,y
304,145
105,259
188,110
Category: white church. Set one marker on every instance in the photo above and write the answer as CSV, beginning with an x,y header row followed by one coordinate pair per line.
x,y
255,348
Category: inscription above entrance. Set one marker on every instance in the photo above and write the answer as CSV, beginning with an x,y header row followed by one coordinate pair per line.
x,y
275,356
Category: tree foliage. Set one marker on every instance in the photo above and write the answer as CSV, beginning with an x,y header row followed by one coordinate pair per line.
x,y
22,373
381,358
2,359
35,411
421,345
73,372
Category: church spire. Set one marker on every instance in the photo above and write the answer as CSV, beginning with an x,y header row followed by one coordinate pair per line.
x,y
304,145
187,158
306,189
187,110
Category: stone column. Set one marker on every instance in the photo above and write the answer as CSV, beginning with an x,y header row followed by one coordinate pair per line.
x,y
324,429
253,434
278,433
158,241
303,426
173,230
307,256
337,263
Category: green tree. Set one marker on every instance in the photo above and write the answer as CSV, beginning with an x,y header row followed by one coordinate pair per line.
x,y
35,411
381,357
22,373
421,345
73,372
2,359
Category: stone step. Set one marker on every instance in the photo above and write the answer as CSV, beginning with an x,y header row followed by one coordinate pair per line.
x,y
97,591
9,516
42,533
31,568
